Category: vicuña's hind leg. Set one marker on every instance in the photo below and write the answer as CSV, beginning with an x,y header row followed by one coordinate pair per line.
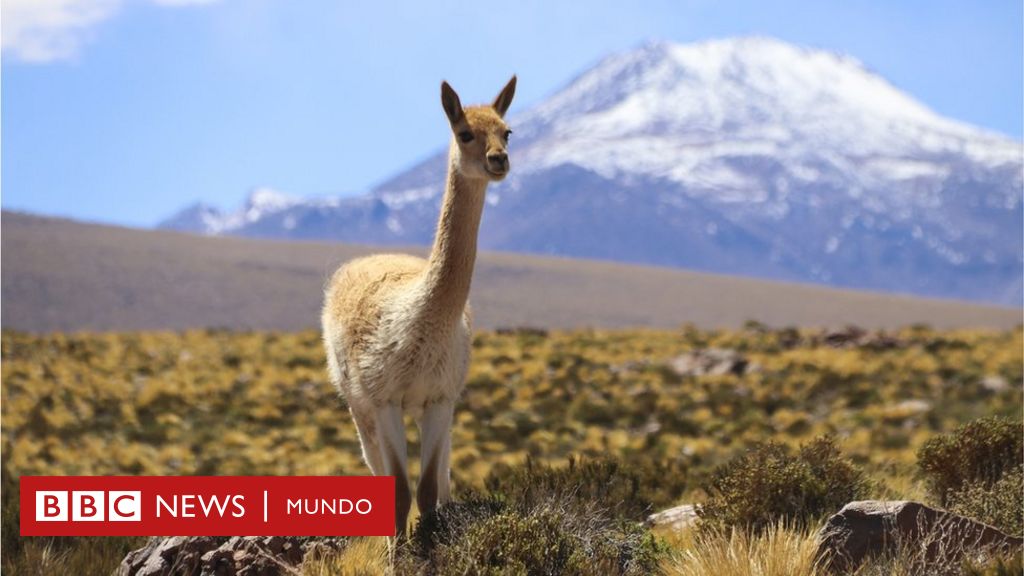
x,y
366,426
435,448
391,436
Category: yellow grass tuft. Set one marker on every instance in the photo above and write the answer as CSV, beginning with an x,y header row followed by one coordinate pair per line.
x,y
779,551
362,557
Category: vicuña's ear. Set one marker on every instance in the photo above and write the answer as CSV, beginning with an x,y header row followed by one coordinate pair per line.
x,y
451,104
504,100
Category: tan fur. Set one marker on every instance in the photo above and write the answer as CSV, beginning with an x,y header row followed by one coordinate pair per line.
x,y
397,328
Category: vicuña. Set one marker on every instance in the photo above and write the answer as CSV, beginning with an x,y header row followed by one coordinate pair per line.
x,y
397,327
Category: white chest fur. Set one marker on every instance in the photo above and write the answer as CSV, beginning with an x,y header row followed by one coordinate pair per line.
x,y
416,361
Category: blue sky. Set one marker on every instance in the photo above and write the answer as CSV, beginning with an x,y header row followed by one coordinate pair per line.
x,y
124,111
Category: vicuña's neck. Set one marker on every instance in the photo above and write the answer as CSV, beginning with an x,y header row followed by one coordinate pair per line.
x,y
450,270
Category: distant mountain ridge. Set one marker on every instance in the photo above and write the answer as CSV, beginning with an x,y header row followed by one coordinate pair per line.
x,y
66,275
743,156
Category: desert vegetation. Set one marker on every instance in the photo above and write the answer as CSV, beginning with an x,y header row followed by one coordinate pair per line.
x,y
570,437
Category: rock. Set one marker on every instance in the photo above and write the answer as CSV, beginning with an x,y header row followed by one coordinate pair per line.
x,y
913,406
172,555
866,529
235,556
711,362
995,384
907,412
678,518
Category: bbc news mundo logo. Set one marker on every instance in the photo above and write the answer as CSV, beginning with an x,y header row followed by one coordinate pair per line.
x,y
89,506
207,505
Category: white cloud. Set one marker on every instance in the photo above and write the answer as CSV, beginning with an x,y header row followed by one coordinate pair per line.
x,y
48,30
45,30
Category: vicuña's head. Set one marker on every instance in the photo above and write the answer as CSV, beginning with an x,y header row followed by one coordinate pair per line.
x,y
481,135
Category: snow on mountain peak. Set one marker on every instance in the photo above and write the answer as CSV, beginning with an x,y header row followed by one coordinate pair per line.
x,y
659,109
264,199
705,77
261,202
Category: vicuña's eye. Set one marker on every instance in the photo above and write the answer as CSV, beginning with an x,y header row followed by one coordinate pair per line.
x,y
466,136
507,134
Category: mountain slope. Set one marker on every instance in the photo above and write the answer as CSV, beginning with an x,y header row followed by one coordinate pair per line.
x,y
745,156
64,275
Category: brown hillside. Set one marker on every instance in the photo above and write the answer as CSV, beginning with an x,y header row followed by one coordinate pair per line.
x,y
64,275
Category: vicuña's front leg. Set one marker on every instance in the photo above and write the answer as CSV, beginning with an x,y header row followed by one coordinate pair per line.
x,y
391,437
435,451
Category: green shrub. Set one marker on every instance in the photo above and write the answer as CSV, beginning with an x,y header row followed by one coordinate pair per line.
x,y
630,488
484,536
445,527
1000,505
977,453
511,544
768,485
535,519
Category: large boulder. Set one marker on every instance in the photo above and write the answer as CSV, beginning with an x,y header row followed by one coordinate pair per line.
x,y
869,528
221,556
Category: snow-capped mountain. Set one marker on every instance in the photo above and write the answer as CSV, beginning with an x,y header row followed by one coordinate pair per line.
x,y
744,156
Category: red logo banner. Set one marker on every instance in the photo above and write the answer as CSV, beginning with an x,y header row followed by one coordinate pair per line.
x,y
207,505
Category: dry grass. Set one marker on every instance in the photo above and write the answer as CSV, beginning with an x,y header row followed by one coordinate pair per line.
x,y
902,487
783,551
215,402
65,557
62,275
363,557
218,402
935,555
779,551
